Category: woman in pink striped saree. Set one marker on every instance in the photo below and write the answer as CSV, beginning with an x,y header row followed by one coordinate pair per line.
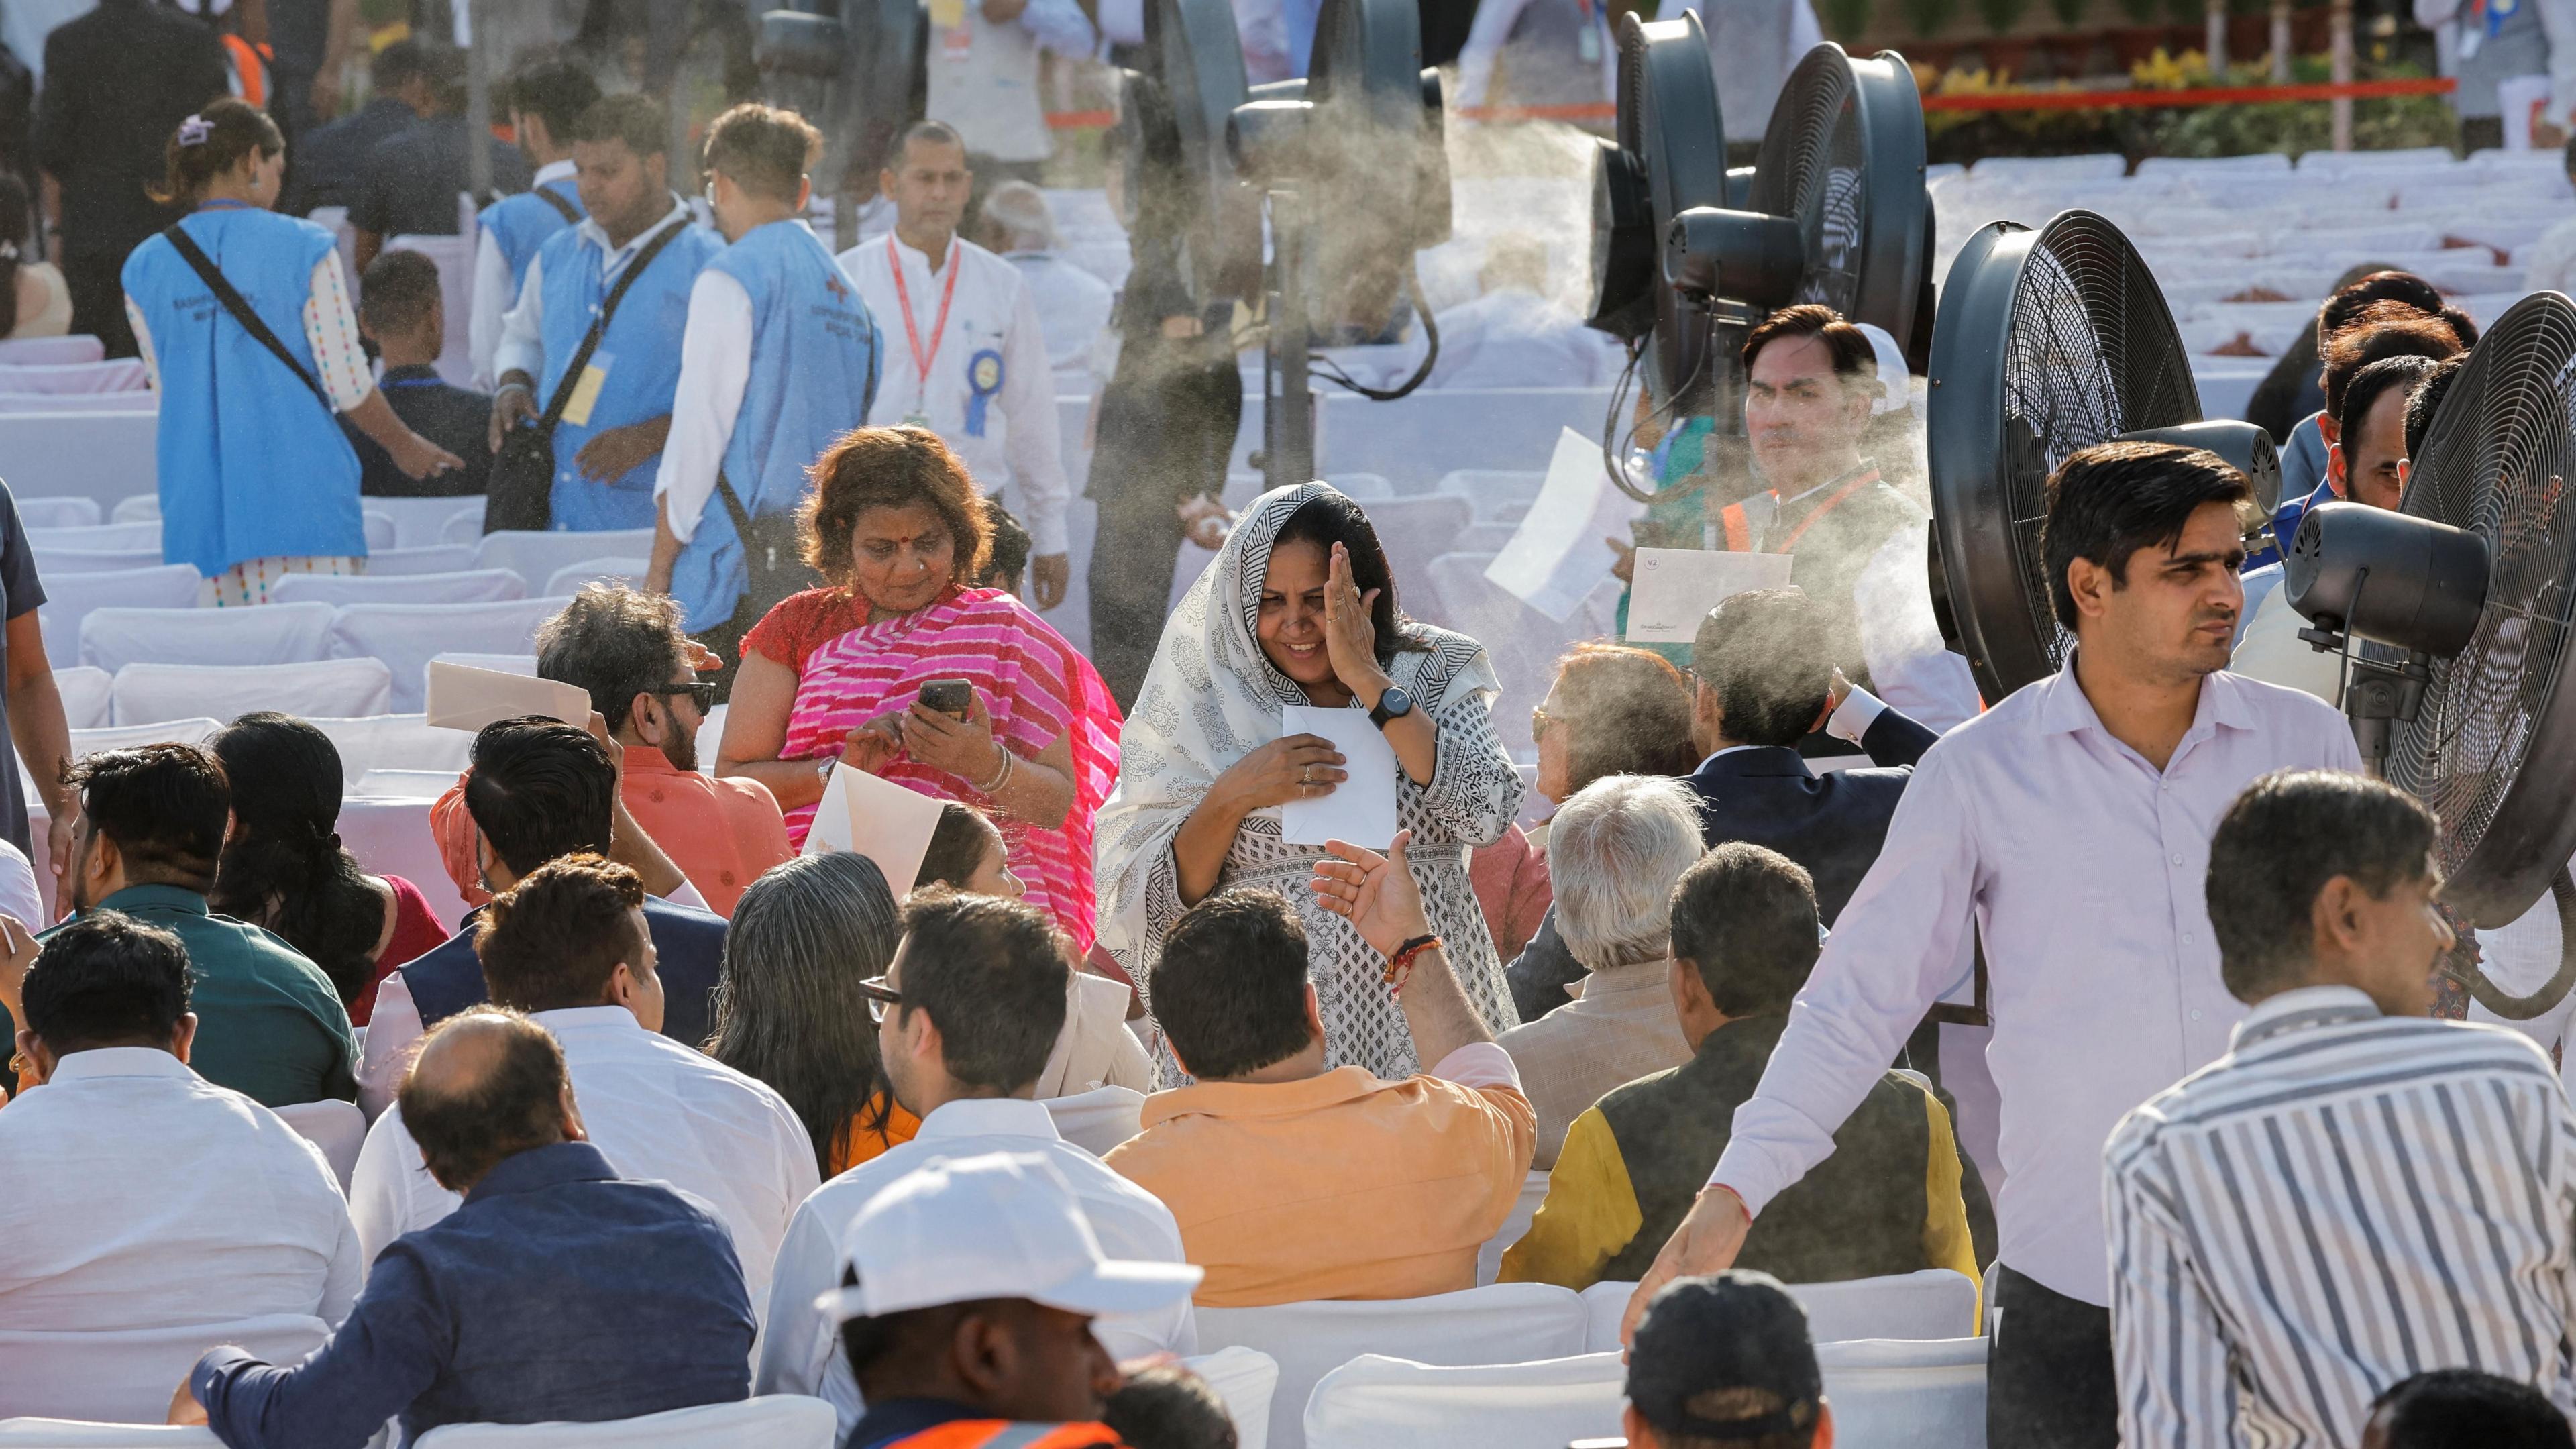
x,y
897,529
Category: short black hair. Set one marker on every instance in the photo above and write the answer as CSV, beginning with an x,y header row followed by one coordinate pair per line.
x,y
1726,1360
556,91
2108,501
2350,300
1230,989
514,1107
2461,1408
395,65
1766,654
2383,330
936,133
2365,388
638,120
1854,360
1169,1407
165,806
1010,556
614,643
1745,917
992,974
557,938
540,789
106,978
2284,838
398,290
957,846
2426,400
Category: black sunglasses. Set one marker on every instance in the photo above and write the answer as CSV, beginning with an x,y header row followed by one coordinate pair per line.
x,y
700,691
880,996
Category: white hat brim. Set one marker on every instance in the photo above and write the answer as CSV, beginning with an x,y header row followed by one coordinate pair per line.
x,y
1107,1287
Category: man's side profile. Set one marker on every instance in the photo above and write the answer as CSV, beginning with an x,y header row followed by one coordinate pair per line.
x,y
2354,1193
558,1291
1726,1360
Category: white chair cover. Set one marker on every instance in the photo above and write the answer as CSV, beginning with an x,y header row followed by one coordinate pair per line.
x,y
84,693
380,529
462,527
71,597
269,634
429,558
404,784
149,693
1245,1379
98,537
407,636
135,509
567,581
126,1376
72,1434
111,375
1489,1258
1414,531
1487,489
418,522
1907,1393
56,561
1500,1323
536,556
1931,1303
118,403
773,1421
337,1127
1099,1119
103,455
58,512
78,347
395,742
1376,1402
469,586
192,731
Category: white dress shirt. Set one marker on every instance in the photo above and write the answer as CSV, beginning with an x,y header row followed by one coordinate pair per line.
x,y
144,1196
1900,637
2273,652
2341,1201
991,312
983,75
1073,306
800,1353
494,292
660,1112
2083,868
523,328
715,370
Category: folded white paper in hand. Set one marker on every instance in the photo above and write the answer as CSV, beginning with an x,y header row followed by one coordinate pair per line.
x,y
462,697
1361,809
1676,587
886,822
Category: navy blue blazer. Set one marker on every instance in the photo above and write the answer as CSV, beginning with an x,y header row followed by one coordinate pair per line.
x,y
1833,823
689,944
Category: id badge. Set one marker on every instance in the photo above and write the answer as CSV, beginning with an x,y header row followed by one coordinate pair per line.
x,y
585,393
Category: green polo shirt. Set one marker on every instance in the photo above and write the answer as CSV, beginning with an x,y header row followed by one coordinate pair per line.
x,y
269,1024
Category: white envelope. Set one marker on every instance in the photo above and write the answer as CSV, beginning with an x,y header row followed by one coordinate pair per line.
x,y
886,822
1361,809
1675,588
1559,551
462,697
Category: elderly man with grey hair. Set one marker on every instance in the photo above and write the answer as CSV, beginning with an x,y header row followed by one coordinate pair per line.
x,y
1073,305
1614,852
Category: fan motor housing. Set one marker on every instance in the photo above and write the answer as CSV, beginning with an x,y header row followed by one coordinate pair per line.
x,y
2404,581
1745,256
2248,449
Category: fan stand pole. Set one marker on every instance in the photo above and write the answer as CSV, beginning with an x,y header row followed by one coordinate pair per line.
x,y
1287,403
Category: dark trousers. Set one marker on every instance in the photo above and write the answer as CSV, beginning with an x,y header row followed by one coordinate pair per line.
x,y
2049,1383
1167,428
96,281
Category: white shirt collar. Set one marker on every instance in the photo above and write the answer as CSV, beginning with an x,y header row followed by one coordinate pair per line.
x,y
119,1062
2277,1013
587,1018
957,245
597,235
553,171
987,1117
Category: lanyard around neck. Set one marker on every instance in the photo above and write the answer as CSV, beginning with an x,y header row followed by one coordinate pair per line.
x,y
1857,482
921,362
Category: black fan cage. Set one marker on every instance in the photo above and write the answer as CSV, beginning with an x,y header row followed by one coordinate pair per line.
x,y
1813,168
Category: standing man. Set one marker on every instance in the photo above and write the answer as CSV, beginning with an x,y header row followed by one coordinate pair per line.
x,y
330,165
984,78
780,358
118,81
2069,826
310,41
619,413
972,343
412,177
546,103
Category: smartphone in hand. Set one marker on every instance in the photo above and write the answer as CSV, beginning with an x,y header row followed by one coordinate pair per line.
x,y
952,697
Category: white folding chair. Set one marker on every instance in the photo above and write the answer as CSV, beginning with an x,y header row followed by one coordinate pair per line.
x,y
85,694
773,1421
1378,1402
337,1127
58,512
1928,1304
404,784
1489,1258
193,731
471,586
567,581
77,347
125,1376
1485,488
1245,1379
73,1434
71,597
1907,1393
269,634
1099,1119
70,380
99,537
429,558
339,688
1500,1323
394,742
407,636
102,454
418,522
534,556
379,527
135,509
53,563
1414,531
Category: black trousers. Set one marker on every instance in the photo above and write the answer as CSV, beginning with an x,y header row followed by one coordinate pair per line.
x,y
2049,1382
96,281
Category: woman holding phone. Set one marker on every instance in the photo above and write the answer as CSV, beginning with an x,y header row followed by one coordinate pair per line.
x,y
902,668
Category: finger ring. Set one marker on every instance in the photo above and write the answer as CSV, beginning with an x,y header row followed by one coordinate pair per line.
x,y
1305,777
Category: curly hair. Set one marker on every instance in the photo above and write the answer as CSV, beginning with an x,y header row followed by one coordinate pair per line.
x,y
890,468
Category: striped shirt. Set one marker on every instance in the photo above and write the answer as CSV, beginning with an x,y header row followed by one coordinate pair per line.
x,y
2342,1200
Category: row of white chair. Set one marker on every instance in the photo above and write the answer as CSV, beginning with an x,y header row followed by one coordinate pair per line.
x,y
782,1421
403,637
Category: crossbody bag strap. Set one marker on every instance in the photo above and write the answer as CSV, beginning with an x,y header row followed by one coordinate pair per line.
x,y
562,207
599,326
733,508
233,301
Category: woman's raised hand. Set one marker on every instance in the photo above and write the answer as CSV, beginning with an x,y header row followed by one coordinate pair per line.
x,y
1293,767
1350,637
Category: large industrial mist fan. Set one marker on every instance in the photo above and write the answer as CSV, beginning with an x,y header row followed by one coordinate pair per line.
x,y
2471,700
856,69
2047,342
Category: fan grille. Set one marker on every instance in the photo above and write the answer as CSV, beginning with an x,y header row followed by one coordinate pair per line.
x,y
1812,169
2091,353
2497,463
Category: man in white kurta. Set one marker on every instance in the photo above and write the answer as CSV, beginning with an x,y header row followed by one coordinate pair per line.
x,y
966,356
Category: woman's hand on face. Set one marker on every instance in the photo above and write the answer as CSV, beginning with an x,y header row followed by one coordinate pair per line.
x,y
872,745
964,748
1350,638
1293,767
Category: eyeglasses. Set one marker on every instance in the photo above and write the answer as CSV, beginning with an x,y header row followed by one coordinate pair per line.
x,y
701,692
880,996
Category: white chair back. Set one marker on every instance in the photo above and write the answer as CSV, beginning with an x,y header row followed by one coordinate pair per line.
x,y
408,636
1246,1380
429,558
471,586
269,634
419,522
135,509
72,1434
126,1376
1500,1323
58,512
1907,1393
1099,1119
773,1421
98,537
54,561
462,527
117,404
403,784
1376,1402
1489,1258
149,693
567,581
394,742
77,347
102,454
71,596
1932,1303
75,379
194,731
337,1127
536,556
85,695
379,528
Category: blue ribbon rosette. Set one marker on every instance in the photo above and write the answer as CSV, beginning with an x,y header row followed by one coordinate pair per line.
x,y
984,375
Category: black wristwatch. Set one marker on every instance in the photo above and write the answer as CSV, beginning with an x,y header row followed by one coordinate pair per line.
x,y
1393,704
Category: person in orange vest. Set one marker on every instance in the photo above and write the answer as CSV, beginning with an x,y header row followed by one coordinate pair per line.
x,y
968,1290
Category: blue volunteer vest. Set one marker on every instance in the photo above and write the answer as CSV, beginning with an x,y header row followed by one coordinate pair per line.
x,y
522,223
814,365
641,353
253,465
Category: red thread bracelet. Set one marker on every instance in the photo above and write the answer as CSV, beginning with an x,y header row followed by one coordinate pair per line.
x,y
1399,967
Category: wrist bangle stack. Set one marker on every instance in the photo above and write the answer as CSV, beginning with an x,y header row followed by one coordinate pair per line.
x,y
1001,775
1399,966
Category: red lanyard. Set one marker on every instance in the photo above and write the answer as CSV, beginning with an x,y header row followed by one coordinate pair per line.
x,y
1859,481
939,329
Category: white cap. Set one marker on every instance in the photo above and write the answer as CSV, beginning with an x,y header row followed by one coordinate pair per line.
x,y
1004,1225
1893,376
